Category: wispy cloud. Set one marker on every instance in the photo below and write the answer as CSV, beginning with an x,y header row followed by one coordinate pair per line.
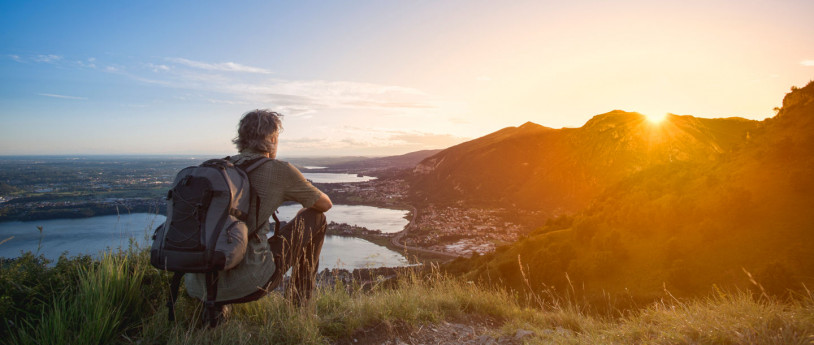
x,y
223,67
296,97
62,96
459,121
89,63
50,58
428,140
371,140
158,68
226,101
321,101
320,94
54,59
807,63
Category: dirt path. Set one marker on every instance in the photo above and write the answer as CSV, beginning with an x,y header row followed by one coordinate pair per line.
x,y
471,330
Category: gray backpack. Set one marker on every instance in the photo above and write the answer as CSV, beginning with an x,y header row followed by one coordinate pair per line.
x,y
206,228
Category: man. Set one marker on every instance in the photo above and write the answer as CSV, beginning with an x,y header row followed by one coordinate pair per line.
x,y
298,243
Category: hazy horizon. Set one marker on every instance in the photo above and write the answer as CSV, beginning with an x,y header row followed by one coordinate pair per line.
x,y
368,78
313,155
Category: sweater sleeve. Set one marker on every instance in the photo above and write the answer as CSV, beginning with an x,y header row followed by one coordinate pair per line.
x,y
299,189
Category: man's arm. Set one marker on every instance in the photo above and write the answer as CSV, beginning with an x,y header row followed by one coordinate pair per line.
x,y
301,190
323,204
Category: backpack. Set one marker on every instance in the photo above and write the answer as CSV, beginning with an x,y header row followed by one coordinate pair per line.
x,y
206,229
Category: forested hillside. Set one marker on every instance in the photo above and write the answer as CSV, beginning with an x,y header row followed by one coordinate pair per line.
x,y
702,214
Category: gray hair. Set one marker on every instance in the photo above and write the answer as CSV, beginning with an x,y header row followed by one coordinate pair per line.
x,y
256,130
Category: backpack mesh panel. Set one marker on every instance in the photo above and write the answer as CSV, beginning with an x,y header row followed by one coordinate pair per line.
x,y
189,205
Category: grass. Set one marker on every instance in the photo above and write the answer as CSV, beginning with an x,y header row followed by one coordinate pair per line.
x,y
120,299
107,300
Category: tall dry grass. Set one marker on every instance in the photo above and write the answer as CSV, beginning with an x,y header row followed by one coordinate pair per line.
x,y
120,299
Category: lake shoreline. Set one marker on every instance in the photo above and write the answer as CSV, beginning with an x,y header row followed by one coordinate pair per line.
x,y
154,206
95,235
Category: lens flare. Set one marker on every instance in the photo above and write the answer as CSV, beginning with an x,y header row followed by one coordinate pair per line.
x,y
655,117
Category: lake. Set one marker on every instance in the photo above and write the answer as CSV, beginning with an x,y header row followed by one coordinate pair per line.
x,y
374,218
92,235
336,177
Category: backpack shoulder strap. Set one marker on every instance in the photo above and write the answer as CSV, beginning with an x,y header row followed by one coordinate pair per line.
x,y
248,167
256,164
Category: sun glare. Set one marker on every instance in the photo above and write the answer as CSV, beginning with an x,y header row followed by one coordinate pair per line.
x,y
655,117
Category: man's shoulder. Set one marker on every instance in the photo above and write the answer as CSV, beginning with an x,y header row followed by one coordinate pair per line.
x,y
278,167
251,157
276,163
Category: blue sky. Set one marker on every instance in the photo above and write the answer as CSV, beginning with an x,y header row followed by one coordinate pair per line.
x,y
378,77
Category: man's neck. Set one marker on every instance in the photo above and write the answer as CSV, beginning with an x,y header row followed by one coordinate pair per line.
x,y
258,153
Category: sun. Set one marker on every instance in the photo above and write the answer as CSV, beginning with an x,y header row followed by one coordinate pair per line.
x,y
655,117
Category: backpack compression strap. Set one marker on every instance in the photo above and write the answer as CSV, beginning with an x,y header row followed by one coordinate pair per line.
x,y
211,295
174,285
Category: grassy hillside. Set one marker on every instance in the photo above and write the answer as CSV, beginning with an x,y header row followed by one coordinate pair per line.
x,y
685,224
120,299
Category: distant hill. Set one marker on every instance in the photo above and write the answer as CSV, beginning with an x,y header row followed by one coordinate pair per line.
x,y
405,161
322,161
363,164
736,196
562,170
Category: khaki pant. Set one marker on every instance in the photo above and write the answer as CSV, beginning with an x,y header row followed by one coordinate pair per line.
x,y
297,247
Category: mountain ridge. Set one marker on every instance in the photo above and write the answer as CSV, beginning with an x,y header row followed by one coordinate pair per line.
x,y
533,166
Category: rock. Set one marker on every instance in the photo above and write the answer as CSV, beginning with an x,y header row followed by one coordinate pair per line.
x,y
486,340
522,333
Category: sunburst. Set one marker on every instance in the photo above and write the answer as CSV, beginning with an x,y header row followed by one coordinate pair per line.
x,y
655,117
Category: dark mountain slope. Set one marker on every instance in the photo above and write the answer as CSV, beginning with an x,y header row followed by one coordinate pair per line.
x,y
536,167
686,224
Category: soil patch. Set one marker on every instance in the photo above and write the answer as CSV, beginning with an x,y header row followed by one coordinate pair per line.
x,y
468,330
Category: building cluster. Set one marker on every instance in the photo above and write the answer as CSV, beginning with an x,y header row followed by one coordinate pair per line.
x,y
344,229
75,176
462,230
97,184
376,192
86,208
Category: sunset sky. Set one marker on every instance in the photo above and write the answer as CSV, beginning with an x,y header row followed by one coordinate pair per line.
x,y
378,77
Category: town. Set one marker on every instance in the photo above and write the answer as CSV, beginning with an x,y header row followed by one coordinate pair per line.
x,y
457,229
77,187
464,231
